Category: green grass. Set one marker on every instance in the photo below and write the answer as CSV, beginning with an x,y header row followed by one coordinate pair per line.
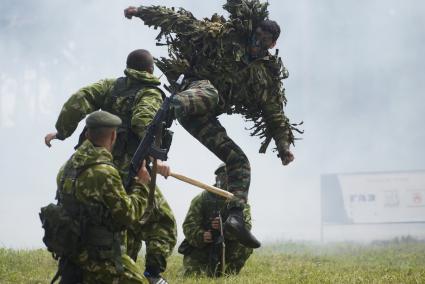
x,y
391,262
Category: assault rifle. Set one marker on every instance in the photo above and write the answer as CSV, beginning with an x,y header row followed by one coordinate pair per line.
x,y
156,142
217,253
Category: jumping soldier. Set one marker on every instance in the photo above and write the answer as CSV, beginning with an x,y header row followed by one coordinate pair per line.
x,y
228,69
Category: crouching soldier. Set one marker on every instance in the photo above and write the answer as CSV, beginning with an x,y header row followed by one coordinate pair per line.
x,y
86,229
207,248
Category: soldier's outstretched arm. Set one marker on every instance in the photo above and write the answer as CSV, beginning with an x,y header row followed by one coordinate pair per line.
x,y
279,127
169,20
80,104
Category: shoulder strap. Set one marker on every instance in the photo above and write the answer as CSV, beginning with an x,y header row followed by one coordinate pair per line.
x,y
121,90
73,173
68,199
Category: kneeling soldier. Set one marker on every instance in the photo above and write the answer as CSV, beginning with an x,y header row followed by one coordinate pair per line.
x,y
86,229
205,240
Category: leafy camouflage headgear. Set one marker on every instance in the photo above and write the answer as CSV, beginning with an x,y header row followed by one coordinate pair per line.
x,y
221,168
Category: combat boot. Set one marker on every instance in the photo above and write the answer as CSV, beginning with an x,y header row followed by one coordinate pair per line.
x,y
235,226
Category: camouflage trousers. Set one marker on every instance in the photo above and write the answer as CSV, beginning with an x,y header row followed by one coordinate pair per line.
x,y
198,261
197,108
159,235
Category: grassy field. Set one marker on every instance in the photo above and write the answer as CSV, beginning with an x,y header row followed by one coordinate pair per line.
x,y
390,262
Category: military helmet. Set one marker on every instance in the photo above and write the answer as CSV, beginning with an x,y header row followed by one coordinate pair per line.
x,y
102,119
221,168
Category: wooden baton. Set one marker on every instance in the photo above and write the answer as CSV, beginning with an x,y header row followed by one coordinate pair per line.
x,y
202,185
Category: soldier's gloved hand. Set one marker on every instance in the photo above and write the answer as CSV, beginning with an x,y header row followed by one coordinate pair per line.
x,y
207,237
143,175
49,137
163,168
130,12
215,223
286,157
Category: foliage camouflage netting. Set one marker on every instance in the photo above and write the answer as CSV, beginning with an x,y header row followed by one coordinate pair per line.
x,y
216,49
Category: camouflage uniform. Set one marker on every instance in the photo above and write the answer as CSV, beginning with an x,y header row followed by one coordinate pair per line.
x,y
135,99
222,78
199,256
100,186
197,221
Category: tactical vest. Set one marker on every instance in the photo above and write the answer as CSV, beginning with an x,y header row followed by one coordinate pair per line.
x,y
71,225
121,103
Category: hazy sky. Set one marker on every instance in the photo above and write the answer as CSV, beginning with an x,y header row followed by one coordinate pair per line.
x,y
357,72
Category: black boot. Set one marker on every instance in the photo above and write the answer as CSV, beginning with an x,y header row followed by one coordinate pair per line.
x,y
235,226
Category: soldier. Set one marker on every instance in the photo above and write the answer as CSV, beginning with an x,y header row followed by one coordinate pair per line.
x,y
203,246
135,98
91,191
229,70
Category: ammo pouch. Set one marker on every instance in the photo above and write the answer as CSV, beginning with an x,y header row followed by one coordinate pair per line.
x,y
103,244
126,143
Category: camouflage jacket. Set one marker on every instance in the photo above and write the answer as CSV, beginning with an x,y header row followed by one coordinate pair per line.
x,y
136,113
101,183
98,96
100,186
198,219
216,49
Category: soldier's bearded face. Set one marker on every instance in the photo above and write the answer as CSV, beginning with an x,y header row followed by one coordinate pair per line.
x,y
261,41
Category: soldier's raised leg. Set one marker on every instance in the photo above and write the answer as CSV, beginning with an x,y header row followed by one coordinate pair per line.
x,y
209,131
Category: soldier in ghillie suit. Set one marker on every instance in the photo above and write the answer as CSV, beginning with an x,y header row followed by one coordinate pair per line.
x,y
135,98
203,244
228,69
86,229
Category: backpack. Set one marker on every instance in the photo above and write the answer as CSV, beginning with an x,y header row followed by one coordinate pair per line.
x,y
62,233
68,225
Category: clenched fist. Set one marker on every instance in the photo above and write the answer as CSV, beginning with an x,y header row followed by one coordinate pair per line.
x,y
286,157
48,139
130,12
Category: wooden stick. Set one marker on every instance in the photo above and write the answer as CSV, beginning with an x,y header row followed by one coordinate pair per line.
x,y
202,185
